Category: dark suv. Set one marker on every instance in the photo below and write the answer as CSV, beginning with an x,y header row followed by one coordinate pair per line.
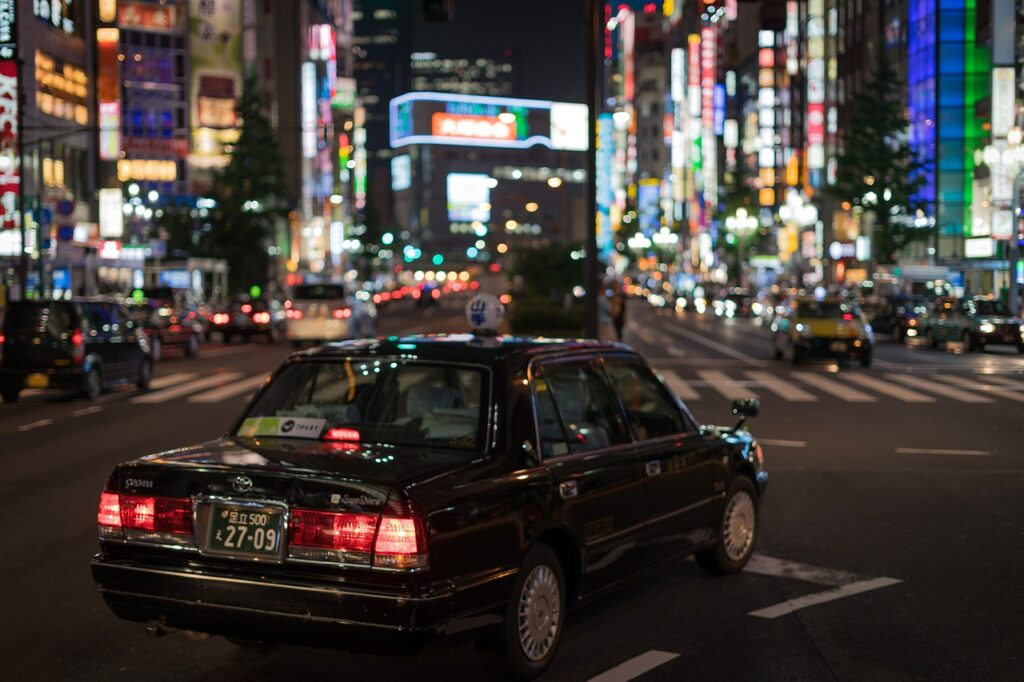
x,y
81,345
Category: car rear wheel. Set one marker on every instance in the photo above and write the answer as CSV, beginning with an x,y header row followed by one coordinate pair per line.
x,y
145,375
192,346
932,341
865,361
536,613
797,355
10,395
156,348
970,343
92,384
737,531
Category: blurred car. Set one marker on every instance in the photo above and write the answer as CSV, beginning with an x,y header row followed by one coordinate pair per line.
x,y
188,304
399,492
974,322
249,317
326,312
909,311
167,327
732,303
830,327
82,345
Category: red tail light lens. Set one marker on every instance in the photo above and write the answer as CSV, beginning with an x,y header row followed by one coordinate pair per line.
x,y
341,313
246,308
261,318
141,512
77,346
847,317
2,339
109,513
339,532
400,543
341,433
294,314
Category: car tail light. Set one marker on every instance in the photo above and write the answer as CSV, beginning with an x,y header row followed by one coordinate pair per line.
x,y
341,313
400,543
109,513
293,314
145,513
288,303
331,536
246,308
77,346
847,317
261,318
342,433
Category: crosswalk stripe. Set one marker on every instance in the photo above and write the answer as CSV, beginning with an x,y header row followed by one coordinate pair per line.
x,y
989,389
187,388
888,389
230,390
781,388
729,388
680,387
171,380
850,395
1004,381
945,391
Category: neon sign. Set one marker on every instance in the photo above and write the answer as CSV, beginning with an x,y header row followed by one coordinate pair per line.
x,y
471,127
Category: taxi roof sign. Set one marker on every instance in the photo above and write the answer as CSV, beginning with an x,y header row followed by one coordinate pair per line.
x,y
485,313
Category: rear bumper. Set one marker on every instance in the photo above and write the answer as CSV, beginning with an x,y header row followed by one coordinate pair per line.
x,y
835,348
63,378
322,613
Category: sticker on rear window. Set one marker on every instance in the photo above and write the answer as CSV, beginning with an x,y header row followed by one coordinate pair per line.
x,y
288,427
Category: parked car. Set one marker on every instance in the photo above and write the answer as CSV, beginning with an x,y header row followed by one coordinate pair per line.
x,y
327,312
393,493
167,327
974,322
79,345
248,317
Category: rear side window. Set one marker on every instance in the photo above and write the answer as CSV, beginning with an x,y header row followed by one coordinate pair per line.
x,y
651,413
25,317
320,292
588,415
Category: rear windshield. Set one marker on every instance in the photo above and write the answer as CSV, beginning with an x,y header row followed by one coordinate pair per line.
x,y
822,309
374,401
991,308
159,293
44,316
321,292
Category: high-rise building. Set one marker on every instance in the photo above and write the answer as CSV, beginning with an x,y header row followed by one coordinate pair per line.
x,y
493,75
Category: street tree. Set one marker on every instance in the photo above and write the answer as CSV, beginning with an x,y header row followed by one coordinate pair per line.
x,y
877,168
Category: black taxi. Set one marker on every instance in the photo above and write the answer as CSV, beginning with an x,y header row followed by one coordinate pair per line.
x,y
387,493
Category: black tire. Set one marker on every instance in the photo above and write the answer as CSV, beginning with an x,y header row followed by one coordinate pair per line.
x,y
92,384
797,357
145,375
156,349
970,343
932,341
777,352
540,570
10,395
865,361
192,346
718,559
272,336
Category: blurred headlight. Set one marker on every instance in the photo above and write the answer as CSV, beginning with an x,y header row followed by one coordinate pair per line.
x,y
986,327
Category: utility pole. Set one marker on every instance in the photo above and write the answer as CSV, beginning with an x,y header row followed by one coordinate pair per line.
x,y
591,263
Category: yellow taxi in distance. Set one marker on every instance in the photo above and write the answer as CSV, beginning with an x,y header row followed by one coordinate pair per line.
x,y
828,327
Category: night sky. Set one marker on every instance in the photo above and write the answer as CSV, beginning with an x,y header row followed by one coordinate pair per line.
x,y
545,36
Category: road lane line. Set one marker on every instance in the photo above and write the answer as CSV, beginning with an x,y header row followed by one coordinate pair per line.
x,y
762,564
781,388
635,667
171,380
87,410
230,390
679,386
850,395
888,389
778,443
729,388
35,425
848,590
185,389
946,391
988,389
713,345
931,451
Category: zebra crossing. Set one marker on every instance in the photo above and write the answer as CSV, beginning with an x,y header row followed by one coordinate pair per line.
x,y
213,388
810,387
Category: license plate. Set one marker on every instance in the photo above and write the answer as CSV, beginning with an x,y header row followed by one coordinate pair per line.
x,y
838,346
37,381
245,531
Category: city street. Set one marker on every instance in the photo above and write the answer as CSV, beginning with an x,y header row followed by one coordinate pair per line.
x,y
889,549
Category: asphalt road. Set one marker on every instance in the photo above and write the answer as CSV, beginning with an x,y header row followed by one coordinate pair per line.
x,y
890,545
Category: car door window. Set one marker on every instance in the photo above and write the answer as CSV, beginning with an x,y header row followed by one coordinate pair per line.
x,y
651,413
98,321
589,415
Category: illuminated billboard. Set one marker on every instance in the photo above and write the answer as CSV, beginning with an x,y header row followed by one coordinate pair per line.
x,y
469,197
500,122
215,79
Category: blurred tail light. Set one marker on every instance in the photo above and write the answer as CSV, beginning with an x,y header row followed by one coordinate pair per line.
x,y
247,308
341,313
142,512
342,433
77,347
261,318
848,317
293,314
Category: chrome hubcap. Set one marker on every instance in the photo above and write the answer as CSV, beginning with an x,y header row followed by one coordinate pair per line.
x,y
739,526
540,607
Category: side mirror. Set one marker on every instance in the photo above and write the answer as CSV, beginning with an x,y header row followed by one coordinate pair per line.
x,y
744,408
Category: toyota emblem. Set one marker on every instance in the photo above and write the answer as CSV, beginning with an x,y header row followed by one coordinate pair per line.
x,y
242,484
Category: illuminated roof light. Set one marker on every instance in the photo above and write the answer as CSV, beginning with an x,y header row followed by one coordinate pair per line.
x,y
532,206
555,182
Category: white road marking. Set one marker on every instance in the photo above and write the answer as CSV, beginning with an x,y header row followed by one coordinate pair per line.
x,y
171,380
989,389
729,388
185,389
888,389
713,345
930,451
93,409
35,425
847,590
230,390
678,386
762,564
675,351
839,390
782,388
635,667
946,391
1005,381
774,442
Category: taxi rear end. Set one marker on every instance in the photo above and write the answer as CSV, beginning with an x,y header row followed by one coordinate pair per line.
x,y
828,328
319,312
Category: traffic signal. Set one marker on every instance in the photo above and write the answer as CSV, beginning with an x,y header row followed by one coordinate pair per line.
x,y
438,10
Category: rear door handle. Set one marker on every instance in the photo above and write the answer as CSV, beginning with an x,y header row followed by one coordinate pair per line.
x,y
567,489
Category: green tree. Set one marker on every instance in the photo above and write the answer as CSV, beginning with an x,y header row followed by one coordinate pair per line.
x,y
250,198
877,168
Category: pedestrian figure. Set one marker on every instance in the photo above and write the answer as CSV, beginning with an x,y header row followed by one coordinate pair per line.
x,y
618,311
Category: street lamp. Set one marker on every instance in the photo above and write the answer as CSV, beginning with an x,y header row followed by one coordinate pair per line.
x,y
1005,161
741,225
